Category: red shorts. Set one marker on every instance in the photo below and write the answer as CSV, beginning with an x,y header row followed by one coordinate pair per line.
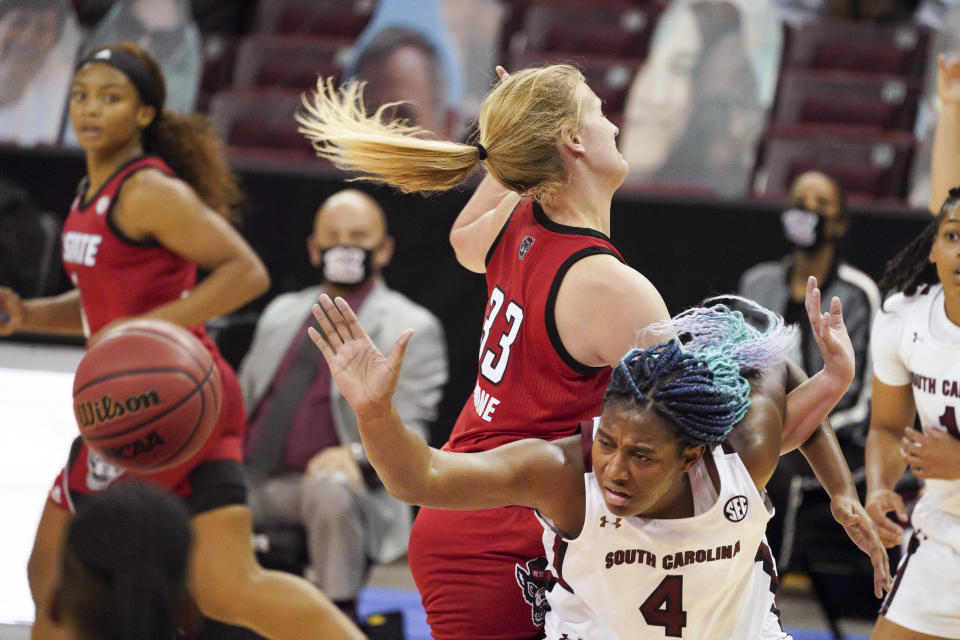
x,y
480,573
217,467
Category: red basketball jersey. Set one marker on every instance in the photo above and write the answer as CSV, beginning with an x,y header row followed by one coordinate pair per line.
x,y
528,386
118,277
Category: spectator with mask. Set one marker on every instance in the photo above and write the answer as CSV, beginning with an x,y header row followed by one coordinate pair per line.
x,y
814,223
38,45
303,451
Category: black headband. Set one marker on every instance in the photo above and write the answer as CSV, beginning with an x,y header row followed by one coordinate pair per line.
x,y
130,66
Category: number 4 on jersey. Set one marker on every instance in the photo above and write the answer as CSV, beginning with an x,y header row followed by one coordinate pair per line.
x,y
664,607
949,421
492,366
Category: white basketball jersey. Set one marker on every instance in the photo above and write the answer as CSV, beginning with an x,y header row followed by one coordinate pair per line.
x,y
918,345
707,577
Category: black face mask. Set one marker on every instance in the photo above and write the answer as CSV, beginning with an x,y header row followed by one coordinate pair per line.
x,y
344,266
804,229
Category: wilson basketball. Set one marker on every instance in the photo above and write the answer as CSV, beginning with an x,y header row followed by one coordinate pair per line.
x,y
146,395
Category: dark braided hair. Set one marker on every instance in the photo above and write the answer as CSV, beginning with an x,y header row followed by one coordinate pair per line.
x,y
911,268
125,564
702,394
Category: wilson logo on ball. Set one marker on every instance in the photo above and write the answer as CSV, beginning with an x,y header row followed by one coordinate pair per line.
x,y
107,409
147,395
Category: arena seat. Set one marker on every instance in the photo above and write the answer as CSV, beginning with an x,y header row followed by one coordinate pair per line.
x,y
260,121
869,166
219,53
895,49
869,101
604,27
341,18
291,62
608,76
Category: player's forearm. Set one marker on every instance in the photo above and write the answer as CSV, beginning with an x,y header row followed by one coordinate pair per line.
x,y
884,463
945,161
478,224
824,456
487,196
401,457
57,314
226,289
810,403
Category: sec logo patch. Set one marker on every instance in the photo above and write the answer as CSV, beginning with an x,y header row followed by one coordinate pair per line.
x,y
736,508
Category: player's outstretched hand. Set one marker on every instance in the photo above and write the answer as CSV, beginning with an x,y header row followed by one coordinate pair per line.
x,y
11,311
948,80
830,334
861,529
880,502
365,378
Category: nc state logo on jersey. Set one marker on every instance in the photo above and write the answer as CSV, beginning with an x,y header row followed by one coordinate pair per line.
x,y
736,508
533,582
525,245
100,473
103,204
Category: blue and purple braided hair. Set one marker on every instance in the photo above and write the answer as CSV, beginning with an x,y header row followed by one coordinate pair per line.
x,y
701,388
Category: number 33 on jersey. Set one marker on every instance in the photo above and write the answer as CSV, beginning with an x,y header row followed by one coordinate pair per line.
x,y
527,384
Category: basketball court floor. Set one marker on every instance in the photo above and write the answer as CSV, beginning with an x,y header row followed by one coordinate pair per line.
x,y
36,429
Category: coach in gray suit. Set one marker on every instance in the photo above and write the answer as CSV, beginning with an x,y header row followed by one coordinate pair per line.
x,y
303,450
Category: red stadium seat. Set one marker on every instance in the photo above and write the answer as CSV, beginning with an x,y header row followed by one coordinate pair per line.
x,y
219,54
854,46
619,28
608,76
870,167
256,121
841,98
340,18
292,62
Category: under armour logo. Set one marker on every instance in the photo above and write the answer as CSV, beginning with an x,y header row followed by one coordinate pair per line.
x,y
604,522
525,245
916,336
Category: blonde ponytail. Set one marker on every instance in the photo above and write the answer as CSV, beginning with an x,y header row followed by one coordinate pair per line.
x,y
395,153
519,127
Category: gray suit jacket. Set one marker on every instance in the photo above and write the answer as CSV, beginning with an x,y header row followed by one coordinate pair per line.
x,y
385,314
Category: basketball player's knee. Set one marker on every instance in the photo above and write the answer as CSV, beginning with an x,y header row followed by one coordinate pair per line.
x,y
227,598
224,590
325,500
41,572
36,575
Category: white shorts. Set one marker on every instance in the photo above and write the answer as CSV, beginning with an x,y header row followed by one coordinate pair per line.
x,y
583,624
926,592
772,630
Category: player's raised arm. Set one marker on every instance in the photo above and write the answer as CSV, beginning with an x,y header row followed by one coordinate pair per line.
x,y
411,470
479,222
811,402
